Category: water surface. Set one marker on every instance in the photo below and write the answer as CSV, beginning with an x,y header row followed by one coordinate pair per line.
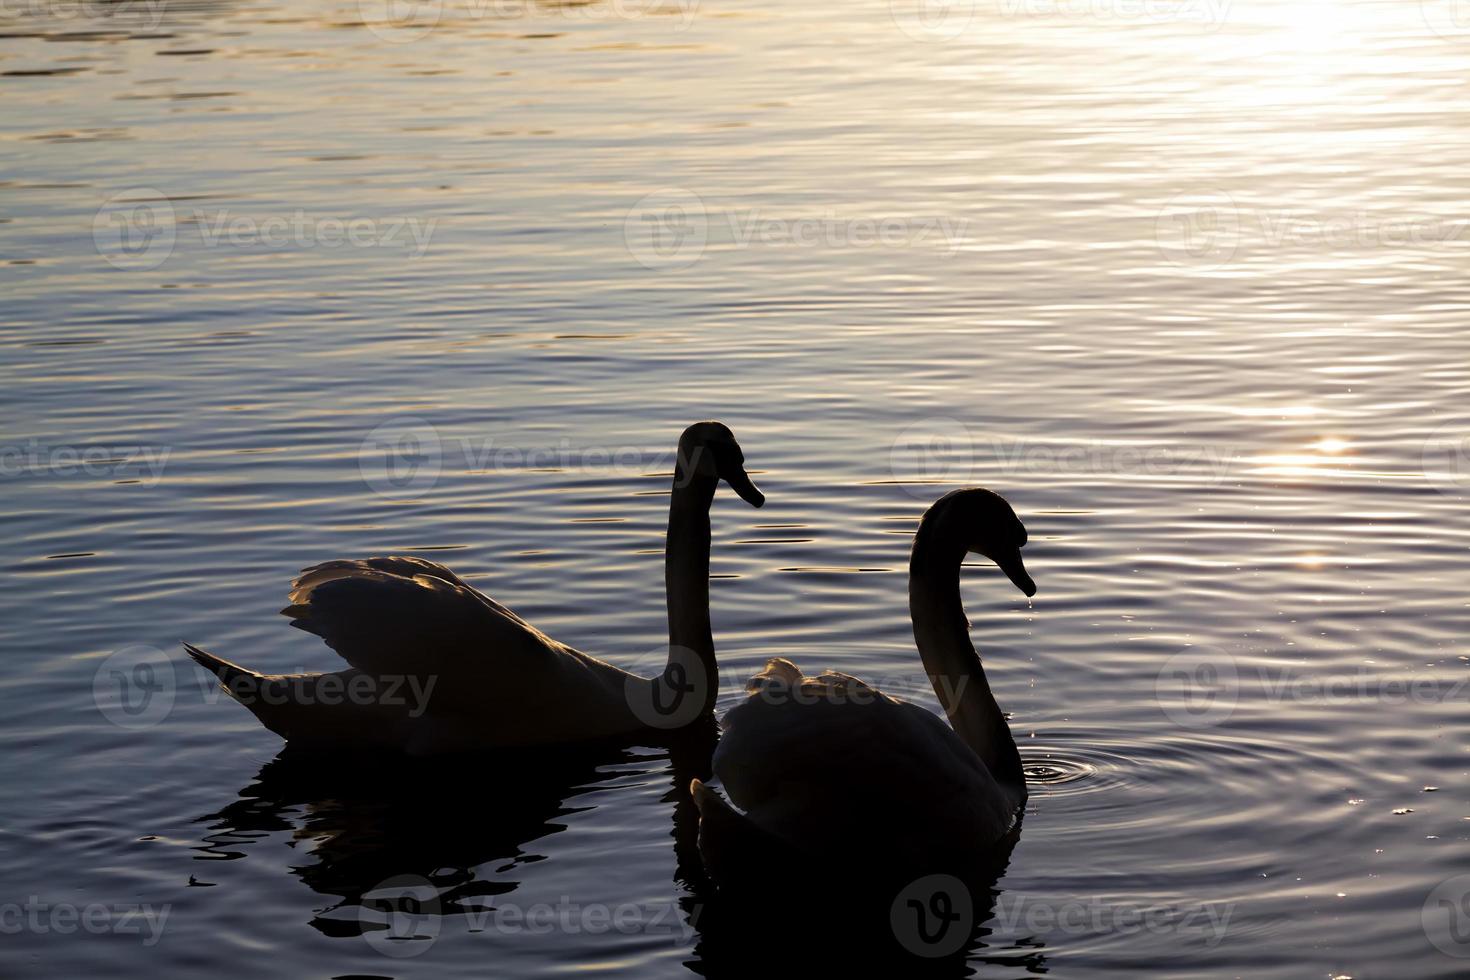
x,y
1186,283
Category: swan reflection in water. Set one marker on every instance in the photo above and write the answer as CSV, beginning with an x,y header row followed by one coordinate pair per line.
x,y
437,823
366,821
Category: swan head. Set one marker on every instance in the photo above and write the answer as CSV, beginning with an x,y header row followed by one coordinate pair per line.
x,y
709,449
990,528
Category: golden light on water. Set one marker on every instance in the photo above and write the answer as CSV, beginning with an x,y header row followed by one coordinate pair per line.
x,y
1325,456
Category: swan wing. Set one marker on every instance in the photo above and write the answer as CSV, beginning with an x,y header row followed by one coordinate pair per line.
x,y
831,762
409,617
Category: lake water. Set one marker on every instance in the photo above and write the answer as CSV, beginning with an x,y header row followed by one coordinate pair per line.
x,y
1186,281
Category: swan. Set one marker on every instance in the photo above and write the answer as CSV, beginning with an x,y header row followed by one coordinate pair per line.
x,y
825,767
436,666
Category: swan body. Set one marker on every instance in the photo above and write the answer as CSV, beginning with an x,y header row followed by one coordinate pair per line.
x,y
435,666
827,768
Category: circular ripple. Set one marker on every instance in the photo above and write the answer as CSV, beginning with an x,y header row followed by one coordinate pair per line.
x,y
1073,768
1055,771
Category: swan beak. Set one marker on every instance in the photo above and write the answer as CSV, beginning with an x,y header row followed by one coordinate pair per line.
x,y
1015,570
739,481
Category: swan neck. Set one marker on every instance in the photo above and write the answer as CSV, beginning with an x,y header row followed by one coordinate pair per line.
x,y
942,634
686,586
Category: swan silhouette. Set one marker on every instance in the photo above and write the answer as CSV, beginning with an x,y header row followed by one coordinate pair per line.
x,y
833,773
437,666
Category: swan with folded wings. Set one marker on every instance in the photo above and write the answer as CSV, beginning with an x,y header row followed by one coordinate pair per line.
x,y
436,666
831,774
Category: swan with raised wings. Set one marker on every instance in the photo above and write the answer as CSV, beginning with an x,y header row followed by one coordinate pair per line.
x,y
828,770
437,666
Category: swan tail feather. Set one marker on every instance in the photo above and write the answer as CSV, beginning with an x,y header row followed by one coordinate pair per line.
x,y
229,674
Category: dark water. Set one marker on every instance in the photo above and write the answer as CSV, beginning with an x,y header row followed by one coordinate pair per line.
x,y
1187,283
